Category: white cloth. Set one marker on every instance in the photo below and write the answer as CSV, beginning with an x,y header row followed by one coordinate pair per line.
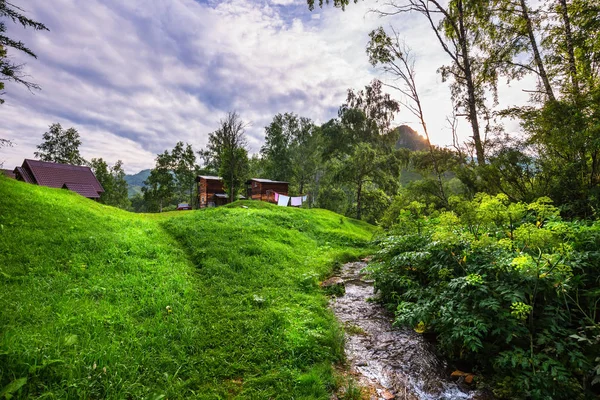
x,y
296,201
283,200
304,198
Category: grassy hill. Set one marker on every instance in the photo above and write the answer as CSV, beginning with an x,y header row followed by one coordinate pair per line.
x,y
96,302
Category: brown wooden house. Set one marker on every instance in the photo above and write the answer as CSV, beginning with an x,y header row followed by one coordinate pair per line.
x,y
211,192
265,189
76,178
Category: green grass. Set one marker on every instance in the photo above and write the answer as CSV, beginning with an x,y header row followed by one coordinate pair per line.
x,y
96,302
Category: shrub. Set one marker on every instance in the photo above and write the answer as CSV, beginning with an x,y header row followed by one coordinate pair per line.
x,y
508,288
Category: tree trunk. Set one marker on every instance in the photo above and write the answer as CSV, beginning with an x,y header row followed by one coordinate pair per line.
x,y
479,150
570,48
358,195
536,53
231,190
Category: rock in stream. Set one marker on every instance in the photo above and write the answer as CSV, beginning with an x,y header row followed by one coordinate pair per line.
x,y
394,363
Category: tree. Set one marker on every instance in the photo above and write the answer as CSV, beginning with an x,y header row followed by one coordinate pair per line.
x,y
337,3
184,167
276,151
257,166
113,181
9,71
234,170
397,60
365,158
226,152
120,193
363,166
305,156
377,105
159,188
60,146
457,26
290,151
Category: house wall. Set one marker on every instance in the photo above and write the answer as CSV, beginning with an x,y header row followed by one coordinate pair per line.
x,y
207,188
265,191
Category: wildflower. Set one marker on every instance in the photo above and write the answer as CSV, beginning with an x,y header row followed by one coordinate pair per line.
x,y
169,310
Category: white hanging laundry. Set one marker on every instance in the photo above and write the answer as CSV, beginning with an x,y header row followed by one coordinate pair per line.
x,y
296,201
304,198
283,200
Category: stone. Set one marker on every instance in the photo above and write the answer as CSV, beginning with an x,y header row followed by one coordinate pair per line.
x,y
334,286
387,395
333,281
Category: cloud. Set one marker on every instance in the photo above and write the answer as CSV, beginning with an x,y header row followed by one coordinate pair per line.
x,y
135,77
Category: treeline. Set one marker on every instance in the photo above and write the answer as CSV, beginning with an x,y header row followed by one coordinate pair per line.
x,y
350,164
557,42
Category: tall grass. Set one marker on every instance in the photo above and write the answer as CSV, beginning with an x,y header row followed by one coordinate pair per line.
x,y
100,303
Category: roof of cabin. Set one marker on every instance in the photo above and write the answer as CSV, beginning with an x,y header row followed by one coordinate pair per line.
x,y
83,189
58,175
9,173
263,180
209,177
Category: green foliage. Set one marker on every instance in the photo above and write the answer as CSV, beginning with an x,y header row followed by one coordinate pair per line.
x,y
566,136
184,170
359,153
276,150
113,181
375,201
9,71
508,288
226,154
159,188
172,180
97,302
60,146
234,170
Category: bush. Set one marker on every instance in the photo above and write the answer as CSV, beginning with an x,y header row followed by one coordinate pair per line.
x,y
507,288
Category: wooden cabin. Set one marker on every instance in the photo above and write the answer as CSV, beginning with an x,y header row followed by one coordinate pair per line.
x,y
77,178
265,189
211,192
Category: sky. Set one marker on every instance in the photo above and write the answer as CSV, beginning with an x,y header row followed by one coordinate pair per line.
x,y
134,77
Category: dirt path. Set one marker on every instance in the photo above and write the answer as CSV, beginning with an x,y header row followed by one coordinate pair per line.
x,y
394,363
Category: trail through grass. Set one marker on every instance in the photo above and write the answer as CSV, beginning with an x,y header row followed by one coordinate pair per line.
x,y
96,302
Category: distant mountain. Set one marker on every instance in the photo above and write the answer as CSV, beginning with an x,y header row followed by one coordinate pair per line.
x,y
410,139
136,181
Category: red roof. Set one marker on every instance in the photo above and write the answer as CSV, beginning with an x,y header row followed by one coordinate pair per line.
x,y
74,177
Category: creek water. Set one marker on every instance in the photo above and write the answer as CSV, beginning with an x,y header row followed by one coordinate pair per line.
x,y
391,362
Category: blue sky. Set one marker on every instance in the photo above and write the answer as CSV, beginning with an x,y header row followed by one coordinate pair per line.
x,y
136,76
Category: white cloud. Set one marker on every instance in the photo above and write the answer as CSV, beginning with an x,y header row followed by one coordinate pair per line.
x,y
135,77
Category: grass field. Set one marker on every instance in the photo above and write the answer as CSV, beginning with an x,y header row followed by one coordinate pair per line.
x,y
96,302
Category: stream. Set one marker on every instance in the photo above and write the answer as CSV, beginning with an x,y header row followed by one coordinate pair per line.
x,y
393,363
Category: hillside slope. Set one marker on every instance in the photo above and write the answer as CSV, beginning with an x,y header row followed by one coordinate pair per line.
x,y
135,182
97,302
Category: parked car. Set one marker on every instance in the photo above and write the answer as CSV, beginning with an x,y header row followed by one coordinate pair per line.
x,y
183,206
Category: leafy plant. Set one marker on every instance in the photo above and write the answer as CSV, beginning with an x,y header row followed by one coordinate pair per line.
x,y
506,287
